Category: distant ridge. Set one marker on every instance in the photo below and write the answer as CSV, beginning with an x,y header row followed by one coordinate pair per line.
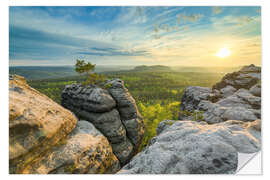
x,y
152,68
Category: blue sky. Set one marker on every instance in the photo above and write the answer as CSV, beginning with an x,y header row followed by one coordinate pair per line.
x,y
185,36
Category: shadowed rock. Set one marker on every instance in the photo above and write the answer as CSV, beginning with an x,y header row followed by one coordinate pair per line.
x,y
112,110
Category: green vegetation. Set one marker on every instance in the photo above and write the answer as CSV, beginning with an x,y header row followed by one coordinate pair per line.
x,y
152,68
87,69
157,94
153,115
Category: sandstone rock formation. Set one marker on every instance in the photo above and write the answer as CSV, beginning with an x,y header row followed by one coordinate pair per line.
x,y
188,147
43,137
112,111
237,96
84,151
208,144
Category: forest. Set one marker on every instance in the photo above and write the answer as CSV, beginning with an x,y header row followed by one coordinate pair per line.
x,y
157,94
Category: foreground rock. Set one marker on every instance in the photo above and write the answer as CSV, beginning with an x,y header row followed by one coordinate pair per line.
x,y
112,111
237,96
36,123
188,147
43,137
85,151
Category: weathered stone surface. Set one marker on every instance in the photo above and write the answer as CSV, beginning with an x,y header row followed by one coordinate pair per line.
x,y
112,111
253,101
227,91
89,98
188,147
250,69
129,113
245,78
239,113
85,151
256,90
229,99
36,123
192,97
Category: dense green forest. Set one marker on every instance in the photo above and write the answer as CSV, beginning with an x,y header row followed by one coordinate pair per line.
x,y
157,94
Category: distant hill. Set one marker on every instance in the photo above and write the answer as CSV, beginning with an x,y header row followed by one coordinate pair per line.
x,y
152,68
206,69
53,72
42,72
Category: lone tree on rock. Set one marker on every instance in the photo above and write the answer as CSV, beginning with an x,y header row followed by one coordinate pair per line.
x,y
82,67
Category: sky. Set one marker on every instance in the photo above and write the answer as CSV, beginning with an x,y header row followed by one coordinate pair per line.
x,y
172,36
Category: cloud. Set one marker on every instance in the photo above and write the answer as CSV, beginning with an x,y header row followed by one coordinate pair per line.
x,y
35,44
113,52
217,10
123,35
131,15
188,18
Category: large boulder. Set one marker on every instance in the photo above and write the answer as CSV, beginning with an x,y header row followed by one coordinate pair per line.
x,y
236,96
45,138
188,147
36,123
85,151
112,110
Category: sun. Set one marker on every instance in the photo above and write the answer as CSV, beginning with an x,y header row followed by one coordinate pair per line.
x,y
223,52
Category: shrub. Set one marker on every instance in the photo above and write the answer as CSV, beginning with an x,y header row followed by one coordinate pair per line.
x,y
87,69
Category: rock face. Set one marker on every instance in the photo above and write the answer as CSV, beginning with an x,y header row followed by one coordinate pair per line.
x,y
85,151
188,147
44,137
237,96
112,111
209,144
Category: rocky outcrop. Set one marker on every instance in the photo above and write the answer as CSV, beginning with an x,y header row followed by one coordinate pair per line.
x,y
188,147
245,78
84,151
45,138
192,97
215,125
112,111
237,96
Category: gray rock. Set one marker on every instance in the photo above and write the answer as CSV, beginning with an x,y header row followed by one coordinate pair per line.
x,y
252,100
188,147
163,125
227,91
233,101
89,98
239,113
128,111
212,111
256,90
113,112
251,68
245,78
236,96
108,123
192,97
